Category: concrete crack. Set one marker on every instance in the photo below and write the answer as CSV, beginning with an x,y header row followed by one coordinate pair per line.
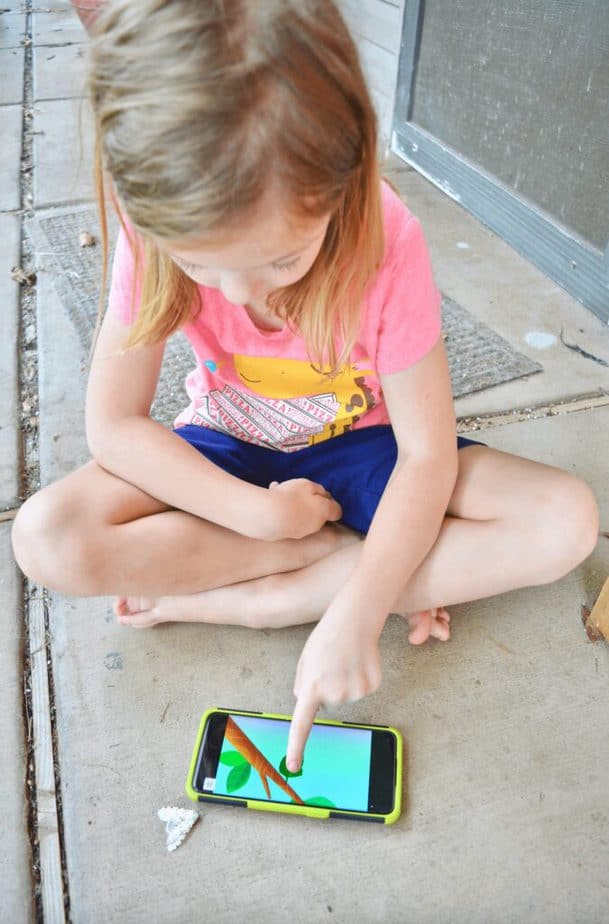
x,y
42,781
569,405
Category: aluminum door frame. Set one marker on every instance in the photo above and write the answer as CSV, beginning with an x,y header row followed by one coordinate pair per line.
x,y
576,265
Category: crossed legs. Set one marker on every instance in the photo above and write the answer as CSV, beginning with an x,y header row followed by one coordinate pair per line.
x,y
510,523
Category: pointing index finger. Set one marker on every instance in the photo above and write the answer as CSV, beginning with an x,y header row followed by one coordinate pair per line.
x,y
302,721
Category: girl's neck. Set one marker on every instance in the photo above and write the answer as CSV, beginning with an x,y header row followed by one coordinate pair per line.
x,y
263,318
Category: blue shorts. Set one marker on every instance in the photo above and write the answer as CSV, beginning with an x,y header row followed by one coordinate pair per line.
x,y
353,467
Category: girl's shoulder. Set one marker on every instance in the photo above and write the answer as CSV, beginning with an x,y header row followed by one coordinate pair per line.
x,y
405,245
402,321
396,214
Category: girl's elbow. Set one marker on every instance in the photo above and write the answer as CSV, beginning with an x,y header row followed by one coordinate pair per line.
x,y
98,439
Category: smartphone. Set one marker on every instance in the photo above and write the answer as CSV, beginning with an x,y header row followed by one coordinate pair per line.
x,y
348,771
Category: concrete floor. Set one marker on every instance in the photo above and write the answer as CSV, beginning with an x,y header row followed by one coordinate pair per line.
x,y
506,813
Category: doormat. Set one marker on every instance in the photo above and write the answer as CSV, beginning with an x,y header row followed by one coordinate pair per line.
x,y
478,357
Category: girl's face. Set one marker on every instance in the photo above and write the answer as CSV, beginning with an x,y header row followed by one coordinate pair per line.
x,y
269,253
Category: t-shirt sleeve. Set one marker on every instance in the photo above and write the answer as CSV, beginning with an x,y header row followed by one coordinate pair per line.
x,y
122,297
410,318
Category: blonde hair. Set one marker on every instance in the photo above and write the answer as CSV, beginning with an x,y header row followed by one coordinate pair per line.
x,y
200,109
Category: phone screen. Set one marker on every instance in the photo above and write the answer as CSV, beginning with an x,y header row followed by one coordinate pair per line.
x,y
345,768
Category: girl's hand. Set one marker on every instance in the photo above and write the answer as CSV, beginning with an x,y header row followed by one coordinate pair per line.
x,y
302,507
339,663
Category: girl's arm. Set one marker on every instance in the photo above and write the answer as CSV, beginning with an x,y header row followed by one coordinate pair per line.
x,y
124,440
340,661
411,511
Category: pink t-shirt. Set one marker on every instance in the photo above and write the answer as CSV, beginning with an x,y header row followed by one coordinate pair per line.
x,y
259,385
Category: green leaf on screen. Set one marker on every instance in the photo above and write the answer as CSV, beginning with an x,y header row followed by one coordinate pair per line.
x,y
232,758
320,801
238,777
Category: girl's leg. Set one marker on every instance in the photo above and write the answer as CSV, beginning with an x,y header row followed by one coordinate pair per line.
x,y
511,523
92,534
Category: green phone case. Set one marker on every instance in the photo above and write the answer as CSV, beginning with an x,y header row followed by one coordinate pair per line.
x,y
288,808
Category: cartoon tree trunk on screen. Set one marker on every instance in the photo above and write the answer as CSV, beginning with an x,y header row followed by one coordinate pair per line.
x,y
257,760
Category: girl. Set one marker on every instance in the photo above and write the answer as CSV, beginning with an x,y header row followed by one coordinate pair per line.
x,y
239,145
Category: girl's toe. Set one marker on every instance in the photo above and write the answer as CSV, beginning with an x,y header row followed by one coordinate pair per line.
x,y
421,630
144,620
441,630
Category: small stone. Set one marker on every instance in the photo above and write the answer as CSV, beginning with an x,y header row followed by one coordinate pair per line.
x,y
23,278
86,239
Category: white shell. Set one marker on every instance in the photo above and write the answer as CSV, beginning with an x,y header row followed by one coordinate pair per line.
x,y
178,822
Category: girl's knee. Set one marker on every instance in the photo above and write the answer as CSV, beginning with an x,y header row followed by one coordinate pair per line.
x,y
569,525
584,518
28,532
46,539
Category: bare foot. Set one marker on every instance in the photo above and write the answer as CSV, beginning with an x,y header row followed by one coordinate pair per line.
x,y
138,612
433,622
228,605
144,612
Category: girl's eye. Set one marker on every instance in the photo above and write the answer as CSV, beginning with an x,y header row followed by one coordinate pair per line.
x,y
193,270
285,266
